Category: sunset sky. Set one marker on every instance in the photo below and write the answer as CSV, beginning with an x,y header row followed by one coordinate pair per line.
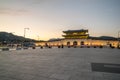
x,y
48,18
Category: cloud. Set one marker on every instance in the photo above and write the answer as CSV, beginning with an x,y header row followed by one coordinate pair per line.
x,y
34,2
11,11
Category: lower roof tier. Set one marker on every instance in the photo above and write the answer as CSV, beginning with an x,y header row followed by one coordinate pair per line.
x,y
76,37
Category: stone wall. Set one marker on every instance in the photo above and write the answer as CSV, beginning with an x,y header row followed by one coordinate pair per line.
x,y
87,42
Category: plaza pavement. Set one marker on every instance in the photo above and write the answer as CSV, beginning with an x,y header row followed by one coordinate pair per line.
x,y
60,64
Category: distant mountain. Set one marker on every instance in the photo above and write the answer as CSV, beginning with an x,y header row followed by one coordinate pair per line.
x,y
103,38
11,38
55,39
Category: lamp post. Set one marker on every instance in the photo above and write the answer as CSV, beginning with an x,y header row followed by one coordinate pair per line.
x,y
24,35
25,31
118,38
38,38
118,34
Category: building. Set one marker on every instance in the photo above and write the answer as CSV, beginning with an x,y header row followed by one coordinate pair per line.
x,y
76,34
79,38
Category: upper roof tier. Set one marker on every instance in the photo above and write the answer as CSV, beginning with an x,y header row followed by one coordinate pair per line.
x,y
71,31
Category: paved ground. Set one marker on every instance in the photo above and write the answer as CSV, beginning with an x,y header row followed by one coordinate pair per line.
x,y
60,64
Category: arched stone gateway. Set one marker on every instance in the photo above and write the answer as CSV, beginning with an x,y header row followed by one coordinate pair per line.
x,y
75,43
46,44
82,43
68,43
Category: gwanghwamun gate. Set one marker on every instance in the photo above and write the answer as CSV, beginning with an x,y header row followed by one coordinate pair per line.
x,y
79,38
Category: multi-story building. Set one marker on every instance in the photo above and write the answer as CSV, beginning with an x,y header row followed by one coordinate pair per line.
x,y
79,38
76,34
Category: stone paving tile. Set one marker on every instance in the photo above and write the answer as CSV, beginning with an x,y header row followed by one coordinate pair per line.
x,y
56,64
43,78
60,76
111,76
6,78
81,76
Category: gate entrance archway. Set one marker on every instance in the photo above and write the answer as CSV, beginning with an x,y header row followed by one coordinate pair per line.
x,y
68,43
75,43
82,43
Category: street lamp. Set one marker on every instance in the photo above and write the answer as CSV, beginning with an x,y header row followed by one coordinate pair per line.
x,y
38,38
25,31
118,39
24,36
118,34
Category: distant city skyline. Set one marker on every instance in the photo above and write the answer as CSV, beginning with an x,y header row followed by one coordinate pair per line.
x,y
48,18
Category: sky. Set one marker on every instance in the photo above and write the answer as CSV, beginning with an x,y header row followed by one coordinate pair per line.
x,y
48,18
